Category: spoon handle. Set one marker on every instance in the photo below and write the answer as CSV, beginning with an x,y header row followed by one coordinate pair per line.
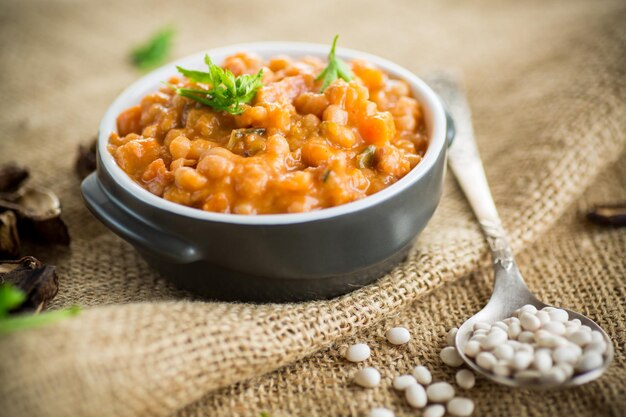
x,y
467,167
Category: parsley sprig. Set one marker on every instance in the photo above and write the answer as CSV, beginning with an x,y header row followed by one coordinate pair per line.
x,y
155,51
226,92
336,68
11,298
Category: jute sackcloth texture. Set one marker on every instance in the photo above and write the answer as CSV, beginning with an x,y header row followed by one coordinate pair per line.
x,y
545,82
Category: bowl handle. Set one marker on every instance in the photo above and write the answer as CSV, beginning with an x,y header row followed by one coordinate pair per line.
x,y
131,228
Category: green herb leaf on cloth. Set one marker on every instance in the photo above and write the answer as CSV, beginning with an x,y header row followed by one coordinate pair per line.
x,y
11,298
155,51
225,91
336,68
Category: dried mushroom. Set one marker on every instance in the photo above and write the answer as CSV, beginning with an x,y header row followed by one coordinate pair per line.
x,y
27,212
86,159
11,177
36,280
9,238
608,214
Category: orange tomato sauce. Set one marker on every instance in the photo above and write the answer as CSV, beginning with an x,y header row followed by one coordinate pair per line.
x,y
293,149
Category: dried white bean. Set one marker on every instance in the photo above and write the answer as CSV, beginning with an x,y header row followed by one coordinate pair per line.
x,y
381,412
461,407
402,382
486,360
567,354
542,360
501,369
398,335
527,375
526,337
599,346
479,338
554,375
522,360
528,308
367,377
422,375
481,325
451,357
543,317
589,361
504,352
597,336
451,335
465,379
529,321
440,392
567,369
416,396
580,337
358,352
435,410
555,327
500,325
495,337
559,315
514,330
472,348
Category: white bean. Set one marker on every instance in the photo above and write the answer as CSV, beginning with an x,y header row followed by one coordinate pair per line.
x,y
451,335
522,360
529,321
398,336
358,352
422,375
481,325
514,330
526,337
402,382
567,369
440,392
599,346
465,379
461,407
472,348
554,375
528,308
543,317
559,315
597,336
590,360
416,396
542,360
500,325
367,377
450,356
580,337
486,360
555,327
504,352
501,369
381,412
567,354
435,410
495,337
527,375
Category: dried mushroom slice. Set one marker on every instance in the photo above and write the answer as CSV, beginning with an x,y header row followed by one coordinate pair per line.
x,y
86,159
40,214
11,177
9,238
38,281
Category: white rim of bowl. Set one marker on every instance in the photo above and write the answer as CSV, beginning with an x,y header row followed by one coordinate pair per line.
x,y
427,98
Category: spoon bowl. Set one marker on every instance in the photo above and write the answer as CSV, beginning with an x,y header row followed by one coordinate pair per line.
x,y
510,292
501,306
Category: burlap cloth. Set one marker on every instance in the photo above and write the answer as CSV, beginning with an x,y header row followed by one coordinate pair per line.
x,y
546,85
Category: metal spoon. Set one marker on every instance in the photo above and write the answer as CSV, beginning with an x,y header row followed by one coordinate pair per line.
x,y
509,292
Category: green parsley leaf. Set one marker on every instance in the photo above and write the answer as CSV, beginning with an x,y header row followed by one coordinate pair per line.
x,y
336,68
154,52
11,298
226,92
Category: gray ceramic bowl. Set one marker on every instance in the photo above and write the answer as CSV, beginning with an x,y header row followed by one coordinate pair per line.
x,y
282,257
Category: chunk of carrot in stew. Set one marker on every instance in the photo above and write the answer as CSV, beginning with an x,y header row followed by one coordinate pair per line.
x,y
129,121
377,129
